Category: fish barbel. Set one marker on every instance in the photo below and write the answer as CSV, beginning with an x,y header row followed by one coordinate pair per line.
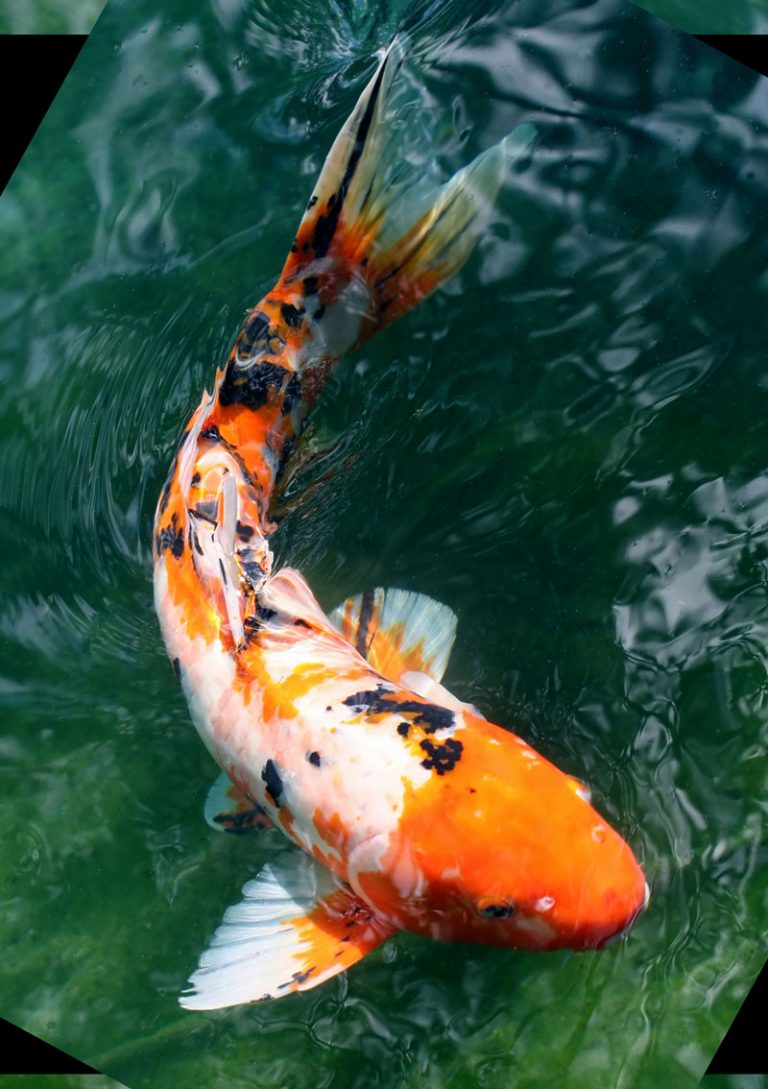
x,y
411,810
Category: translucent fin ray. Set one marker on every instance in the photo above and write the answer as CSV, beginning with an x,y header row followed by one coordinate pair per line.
x,y
296,926
397,631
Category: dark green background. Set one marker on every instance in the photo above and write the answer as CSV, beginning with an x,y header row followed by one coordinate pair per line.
x,y
568,446
48,16
713,16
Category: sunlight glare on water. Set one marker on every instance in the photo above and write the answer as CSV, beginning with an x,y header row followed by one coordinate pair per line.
x,y
566,445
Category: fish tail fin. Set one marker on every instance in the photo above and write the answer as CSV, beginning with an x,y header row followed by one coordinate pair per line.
x,y
381,231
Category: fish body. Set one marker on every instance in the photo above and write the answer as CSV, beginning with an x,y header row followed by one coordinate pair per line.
x,y
411,810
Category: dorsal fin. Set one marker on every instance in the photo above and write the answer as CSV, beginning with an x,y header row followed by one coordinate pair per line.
x,y
398,631
296,926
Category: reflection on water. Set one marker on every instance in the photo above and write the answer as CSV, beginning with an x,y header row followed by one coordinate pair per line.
x,y
567,446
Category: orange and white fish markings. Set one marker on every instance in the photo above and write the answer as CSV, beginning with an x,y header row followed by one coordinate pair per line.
x,y
411,810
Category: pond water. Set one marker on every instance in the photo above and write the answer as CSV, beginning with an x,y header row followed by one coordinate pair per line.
x,y
48,16
712,16
567,446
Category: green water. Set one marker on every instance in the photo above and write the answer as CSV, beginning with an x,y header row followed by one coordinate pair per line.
x,y
48,16
568,446
734,1081
713,16
56,1081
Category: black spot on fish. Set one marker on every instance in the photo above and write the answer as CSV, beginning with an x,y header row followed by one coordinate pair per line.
x,y
291,315
403,728
252,387
224,578
319,312
314,759
383,701
177,669
271,777
302,977
299,623
244,531
253,623
372,699
194,540
195,479
211,433
252,570
363,622
312,202
325,228
441,757
206,510
171,537
253,334
310,285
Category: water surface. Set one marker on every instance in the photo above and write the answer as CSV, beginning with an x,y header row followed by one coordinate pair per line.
x,y
567,446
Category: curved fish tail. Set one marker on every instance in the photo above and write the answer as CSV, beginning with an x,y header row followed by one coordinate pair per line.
x,y
381,231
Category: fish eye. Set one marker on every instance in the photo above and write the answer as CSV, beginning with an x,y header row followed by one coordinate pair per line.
x,y
495,909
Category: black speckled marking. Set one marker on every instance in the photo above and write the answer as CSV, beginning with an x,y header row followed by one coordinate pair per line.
x,y
326,225
310,285
177,669
403,728
271,777
363,622
171,537
292,316
253,622
255,332
314,759
252,570
441,757
244,531
428,716
252,387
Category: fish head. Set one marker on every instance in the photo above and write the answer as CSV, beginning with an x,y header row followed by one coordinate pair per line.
x,y
505,849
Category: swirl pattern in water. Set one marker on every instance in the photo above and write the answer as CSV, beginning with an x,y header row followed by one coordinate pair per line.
x,y
567,446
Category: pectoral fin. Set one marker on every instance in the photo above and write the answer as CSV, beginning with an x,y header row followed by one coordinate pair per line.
x,y
227,809
296,926
398,631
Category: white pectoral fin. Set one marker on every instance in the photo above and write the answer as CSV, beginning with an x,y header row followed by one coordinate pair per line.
x,y
397,631
296,926
227,809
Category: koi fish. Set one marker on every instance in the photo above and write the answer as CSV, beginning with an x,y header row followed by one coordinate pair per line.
x,y
411,810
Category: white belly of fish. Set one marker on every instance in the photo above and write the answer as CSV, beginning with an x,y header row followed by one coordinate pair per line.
x,y
330,766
